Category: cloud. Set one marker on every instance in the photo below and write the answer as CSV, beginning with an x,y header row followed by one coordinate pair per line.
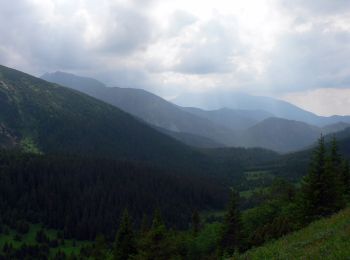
x,y
326,101
171,47
317,7
313,59
212,51
125,30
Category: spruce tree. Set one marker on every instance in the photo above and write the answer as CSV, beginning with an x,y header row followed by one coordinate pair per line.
x,y
100,247
320,189
144,225
231,237
124,246
196,222
345,177
334,170
155,245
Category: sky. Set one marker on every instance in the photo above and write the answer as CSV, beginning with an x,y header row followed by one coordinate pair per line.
x,y
298,51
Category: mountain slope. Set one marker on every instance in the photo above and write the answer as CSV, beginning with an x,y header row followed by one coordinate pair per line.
x,y
332,128
294,166
323,239
277,107
280,135
44,117
193,140
235,119
146,106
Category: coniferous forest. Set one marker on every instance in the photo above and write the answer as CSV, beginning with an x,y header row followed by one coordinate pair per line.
x,y
174,130
92,172
129,210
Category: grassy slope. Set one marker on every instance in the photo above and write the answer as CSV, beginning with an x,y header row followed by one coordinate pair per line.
x,y
324,239
69,247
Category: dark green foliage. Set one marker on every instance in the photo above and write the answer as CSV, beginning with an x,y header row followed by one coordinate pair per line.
x,y
321,188
196,222
156,244
144,227
40,252
334,170
61,256
99,248
125,244
231,238
274,217
41,237
22,227
345,176
83,196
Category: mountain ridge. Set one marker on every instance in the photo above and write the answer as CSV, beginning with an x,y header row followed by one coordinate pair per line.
x,y
48,118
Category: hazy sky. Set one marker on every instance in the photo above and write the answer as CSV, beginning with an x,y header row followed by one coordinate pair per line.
x,y
297,50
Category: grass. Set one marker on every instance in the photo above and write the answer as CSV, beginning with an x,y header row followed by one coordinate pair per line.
x,y
248,193
324,239
257,175
69,246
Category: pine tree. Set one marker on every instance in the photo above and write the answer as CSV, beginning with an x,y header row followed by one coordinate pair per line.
x,y
124,246
144,225
100,247
320,188
345,177
155,245
231,238
334,170
196,222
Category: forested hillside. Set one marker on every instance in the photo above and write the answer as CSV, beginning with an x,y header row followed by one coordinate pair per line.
x,y
41,117
85,196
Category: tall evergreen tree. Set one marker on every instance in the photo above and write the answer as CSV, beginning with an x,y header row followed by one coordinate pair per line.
x,y
231,238
320,189
144,225
155,245
100,248
334,170
125,245
345,177
196,222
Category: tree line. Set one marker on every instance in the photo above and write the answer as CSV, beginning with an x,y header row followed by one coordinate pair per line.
x,y
150,235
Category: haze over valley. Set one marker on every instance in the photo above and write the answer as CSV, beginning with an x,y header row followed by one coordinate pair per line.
x,y
158,130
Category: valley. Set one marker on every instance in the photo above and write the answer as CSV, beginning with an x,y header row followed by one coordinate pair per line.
x,y
82,162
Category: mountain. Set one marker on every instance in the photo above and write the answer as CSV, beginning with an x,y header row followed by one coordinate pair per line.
x,y
280,134
47,118
337,127
146,106
191,139
235,119
225,127
233,100
294,166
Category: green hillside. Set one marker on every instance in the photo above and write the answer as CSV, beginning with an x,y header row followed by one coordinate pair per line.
x,y
324,239
42,117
